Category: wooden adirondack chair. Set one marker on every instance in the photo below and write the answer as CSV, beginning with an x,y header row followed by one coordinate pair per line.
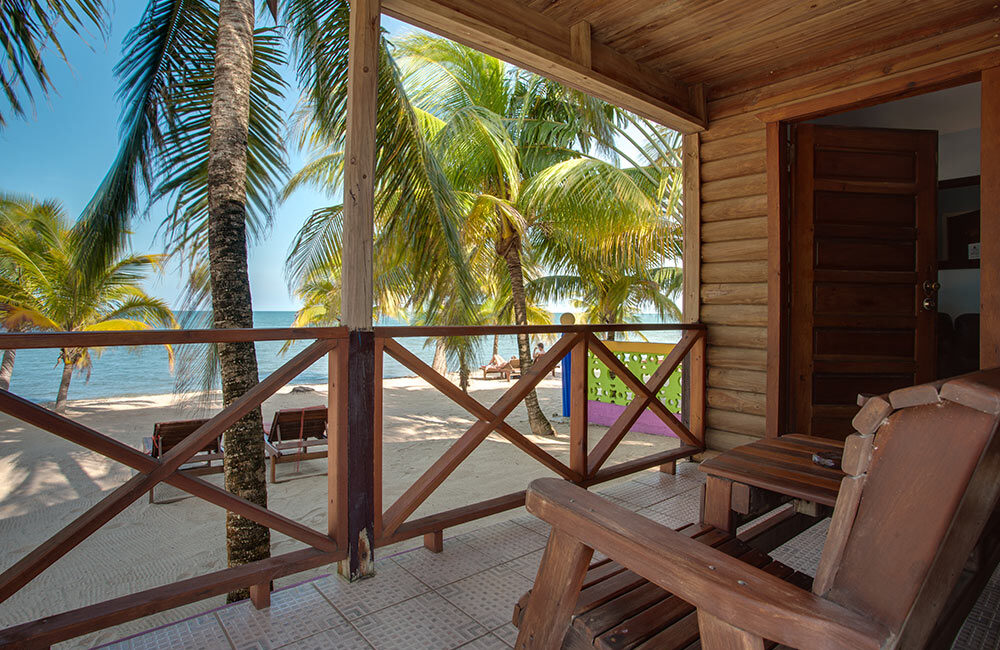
x,y
913,539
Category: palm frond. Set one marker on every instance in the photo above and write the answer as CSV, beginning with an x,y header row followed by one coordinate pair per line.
x,y
29,29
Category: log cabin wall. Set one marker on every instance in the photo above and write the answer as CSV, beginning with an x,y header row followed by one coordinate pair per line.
x,y
733,287
732,212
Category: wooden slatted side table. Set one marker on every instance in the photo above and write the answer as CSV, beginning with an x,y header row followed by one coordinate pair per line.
x,y
750,480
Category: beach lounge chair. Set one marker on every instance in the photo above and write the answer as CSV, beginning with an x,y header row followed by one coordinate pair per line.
x,y
502,370
914,538
515,368
166,435
293,432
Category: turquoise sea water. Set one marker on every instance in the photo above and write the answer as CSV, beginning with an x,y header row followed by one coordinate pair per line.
x,y
145,371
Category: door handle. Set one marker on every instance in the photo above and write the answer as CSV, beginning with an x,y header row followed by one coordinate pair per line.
x,y
929,304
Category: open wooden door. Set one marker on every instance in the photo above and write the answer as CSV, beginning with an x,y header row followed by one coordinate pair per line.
x,y
863,269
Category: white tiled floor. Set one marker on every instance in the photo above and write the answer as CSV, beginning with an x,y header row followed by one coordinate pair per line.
x,y
464,596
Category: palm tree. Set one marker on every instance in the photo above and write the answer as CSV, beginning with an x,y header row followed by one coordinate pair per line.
x,y
502,128
23,221
616,277
232,306
28,30
55,289
202,130
613,295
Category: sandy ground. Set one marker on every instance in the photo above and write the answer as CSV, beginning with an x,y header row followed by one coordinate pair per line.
x,y
45,482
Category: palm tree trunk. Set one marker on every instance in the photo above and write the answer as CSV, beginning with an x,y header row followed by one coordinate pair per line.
x,y
67,375
246,541
7,368
463,377
510,250
496,345
440,363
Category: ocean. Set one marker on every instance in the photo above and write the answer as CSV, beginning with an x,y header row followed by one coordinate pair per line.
x,y
146,371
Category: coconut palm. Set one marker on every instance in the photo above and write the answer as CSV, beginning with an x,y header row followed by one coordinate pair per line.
x,y
614,278
202,130
615,295
504,128
232,306
24,223
55,289
29,31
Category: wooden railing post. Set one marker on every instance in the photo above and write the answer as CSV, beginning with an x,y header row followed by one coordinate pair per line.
x,y
337,433
698,361
360,561
578,407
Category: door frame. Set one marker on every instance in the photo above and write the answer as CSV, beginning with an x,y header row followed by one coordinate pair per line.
x,y
779,203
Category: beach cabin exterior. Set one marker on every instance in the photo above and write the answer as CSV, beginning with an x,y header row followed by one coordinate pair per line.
x,y
769,264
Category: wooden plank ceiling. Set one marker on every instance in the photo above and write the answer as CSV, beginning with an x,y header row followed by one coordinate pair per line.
x,y
670,50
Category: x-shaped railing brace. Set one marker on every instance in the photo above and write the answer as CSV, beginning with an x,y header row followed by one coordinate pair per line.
x,y
489,420
153,471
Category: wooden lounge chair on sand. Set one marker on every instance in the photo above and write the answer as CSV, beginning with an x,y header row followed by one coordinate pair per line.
x,y
166,435
292,433
493,367
914,537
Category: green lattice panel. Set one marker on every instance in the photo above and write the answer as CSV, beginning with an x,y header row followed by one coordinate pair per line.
x,y
605,386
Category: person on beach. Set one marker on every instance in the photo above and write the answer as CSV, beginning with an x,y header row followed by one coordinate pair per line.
x,y
539,351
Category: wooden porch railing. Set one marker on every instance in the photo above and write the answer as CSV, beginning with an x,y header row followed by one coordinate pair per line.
x,y
324,548
585,467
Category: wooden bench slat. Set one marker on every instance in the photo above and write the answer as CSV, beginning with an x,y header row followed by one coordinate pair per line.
x,y
618,609
678,635
600,619
656,621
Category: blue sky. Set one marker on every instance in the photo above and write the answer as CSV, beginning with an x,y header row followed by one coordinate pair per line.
x,y
65,148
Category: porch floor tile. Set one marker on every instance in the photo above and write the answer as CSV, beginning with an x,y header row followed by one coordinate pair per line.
x,y
464,596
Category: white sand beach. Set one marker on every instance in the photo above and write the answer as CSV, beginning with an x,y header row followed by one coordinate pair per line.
x,y
45,482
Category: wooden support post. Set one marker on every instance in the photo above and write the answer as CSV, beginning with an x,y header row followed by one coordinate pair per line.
x,y
260,595
716,506
669,468
717,633
557,586
356,299
691,171
989,218
434,541
777,279
578,408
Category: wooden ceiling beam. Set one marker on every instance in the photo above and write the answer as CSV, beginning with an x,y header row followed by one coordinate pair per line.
x,y
529,39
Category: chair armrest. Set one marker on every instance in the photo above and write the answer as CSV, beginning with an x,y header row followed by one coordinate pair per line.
x,y
270,449
707,578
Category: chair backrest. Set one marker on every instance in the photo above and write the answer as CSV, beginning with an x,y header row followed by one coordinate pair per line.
x,y
292,424
915,501
166,435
